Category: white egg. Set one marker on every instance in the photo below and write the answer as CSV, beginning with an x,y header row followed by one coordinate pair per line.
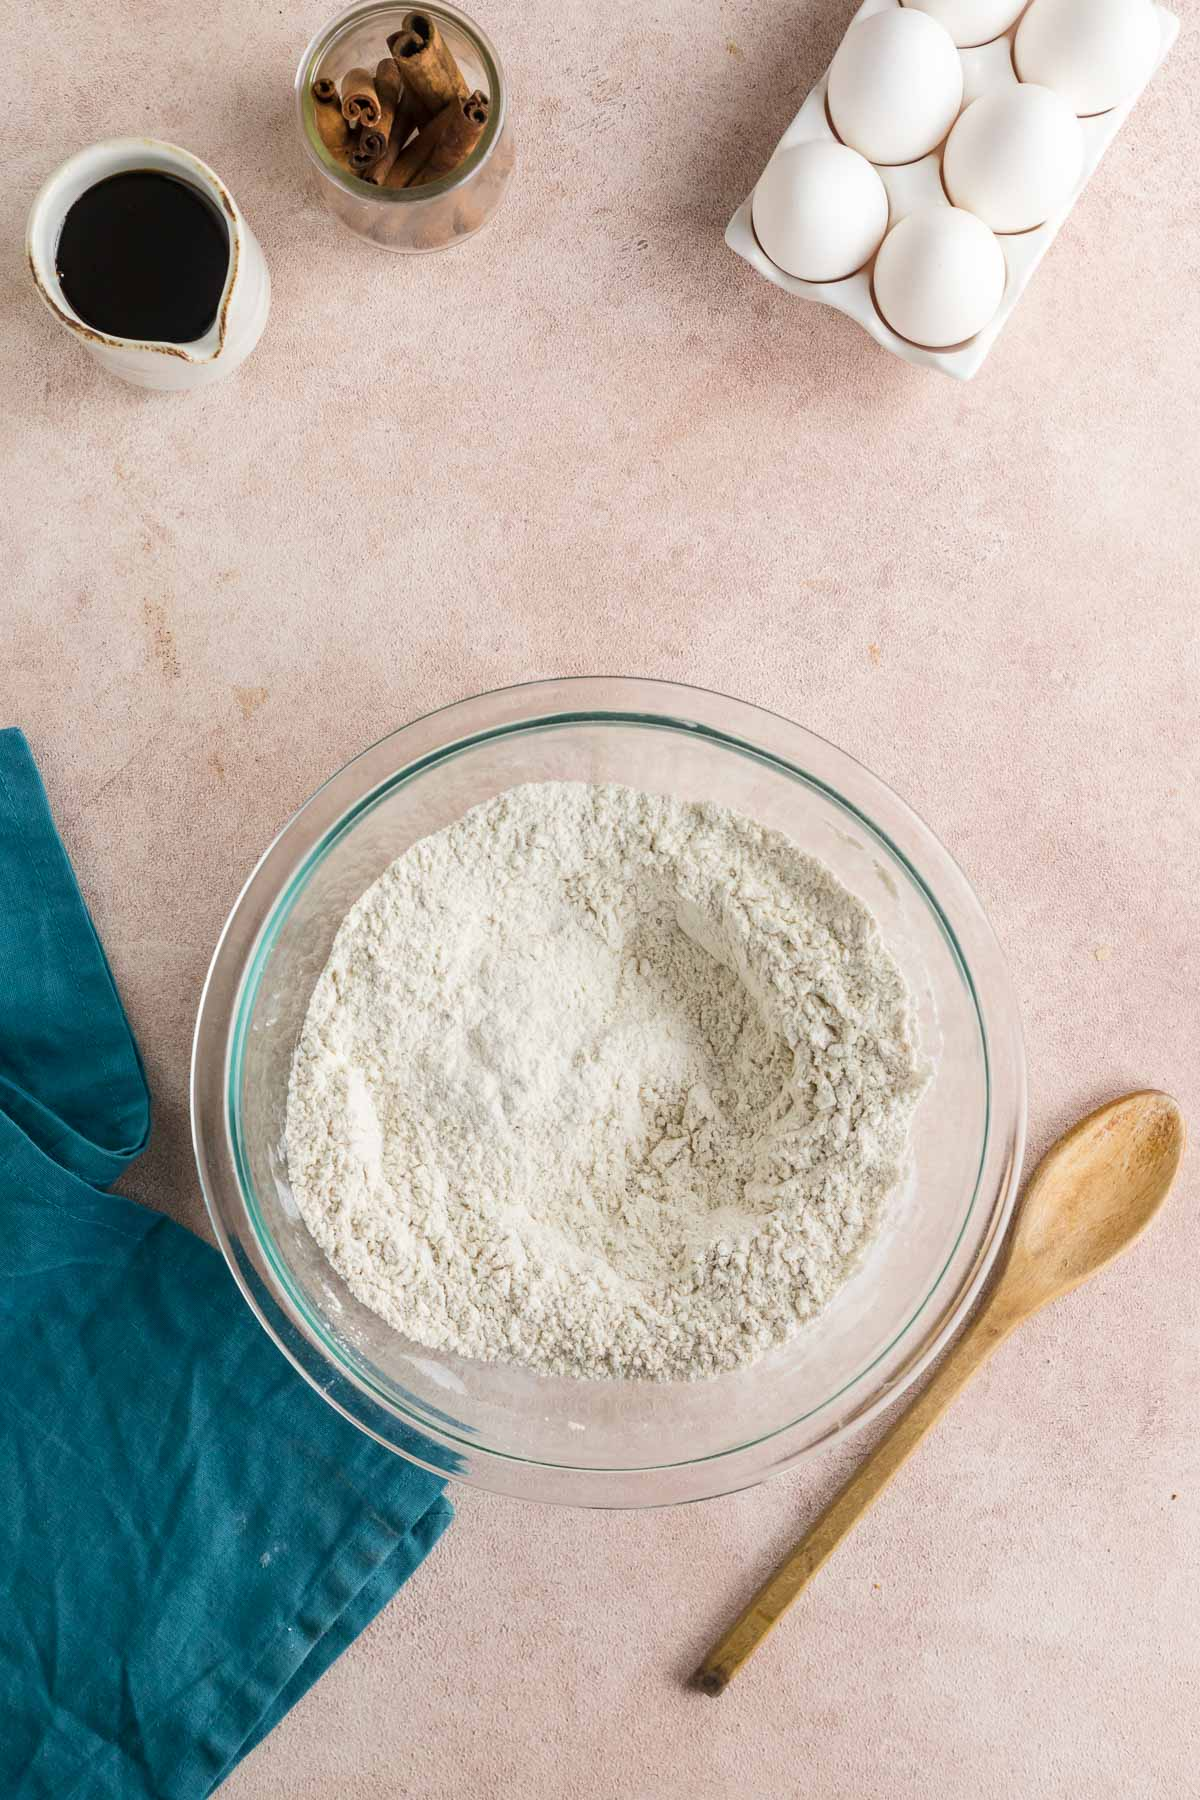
x,y
1095,53
971,21
939,276
895,86
820,210
1014,157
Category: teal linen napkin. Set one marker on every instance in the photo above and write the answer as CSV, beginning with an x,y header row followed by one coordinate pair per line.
x,y
188,1535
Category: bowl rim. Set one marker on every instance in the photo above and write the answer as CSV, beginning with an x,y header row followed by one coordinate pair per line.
x,y
260,911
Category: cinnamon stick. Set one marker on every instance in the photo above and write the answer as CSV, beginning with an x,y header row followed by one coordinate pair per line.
x,y
408,116
414,156
426,62
448,138
325,88
334,132
373,139
458,140
389,87
360,100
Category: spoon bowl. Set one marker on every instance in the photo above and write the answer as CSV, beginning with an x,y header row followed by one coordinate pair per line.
x,y
1093,1193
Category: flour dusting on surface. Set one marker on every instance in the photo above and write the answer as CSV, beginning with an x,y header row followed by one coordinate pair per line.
x,y
603,1083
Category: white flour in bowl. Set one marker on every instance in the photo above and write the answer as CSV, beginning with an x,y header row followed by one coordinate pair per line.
x,y
603,1083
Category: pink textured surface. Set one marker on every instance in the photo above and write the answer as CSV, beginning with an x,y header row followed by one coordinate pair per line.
x,y
660,465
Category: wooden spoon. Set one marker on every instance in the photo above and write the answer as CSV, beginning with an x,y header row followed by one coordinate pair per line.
x,y
1091,1195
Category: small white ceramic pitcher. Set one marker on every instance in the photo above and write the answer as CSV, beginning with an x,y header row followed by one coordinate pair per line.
x,y
245,299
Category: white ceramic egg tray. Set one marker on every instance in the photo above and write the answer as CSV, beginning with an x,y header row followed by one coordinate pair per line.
x,y
909,185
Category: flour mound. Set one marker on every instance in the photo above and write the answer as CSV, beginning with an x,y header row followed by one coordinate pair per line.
x,y
603,1083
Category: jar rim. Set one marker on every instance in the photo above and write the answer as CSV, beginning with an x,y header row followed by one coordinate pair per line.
x,y
308,68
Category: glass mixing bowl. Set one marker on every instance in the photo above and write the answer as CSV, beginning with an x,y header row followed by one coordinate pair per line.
x,y
613,1443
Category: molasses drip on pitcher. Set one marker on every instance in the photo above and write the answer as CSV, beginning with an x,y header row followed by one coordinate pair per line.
x,y
144,255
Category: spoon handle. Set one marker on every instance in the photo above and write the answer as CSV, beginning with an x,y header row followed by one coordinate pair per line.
x,y
988,1329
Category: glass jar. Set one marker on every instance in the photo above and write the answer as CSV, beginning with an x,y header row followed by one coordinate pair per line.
x,y
438,213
